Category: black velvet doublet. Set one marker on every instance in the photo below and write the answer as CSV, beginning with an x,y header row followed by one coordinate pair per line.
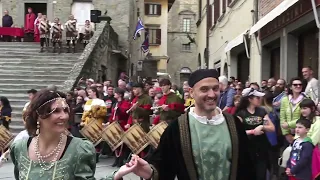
x,y
174,158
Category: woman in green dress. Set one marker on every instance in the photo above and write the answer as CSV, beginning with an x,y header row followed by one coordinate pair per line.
x,y
49,153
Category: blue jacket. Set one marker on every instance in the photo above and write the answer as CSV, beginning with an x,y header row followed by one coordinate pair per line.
x,y
7,21
226,98
300,159
272,136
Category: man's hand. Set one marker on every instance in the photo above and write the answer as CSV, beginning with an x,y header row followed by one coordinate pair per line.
x,y
276,104
285,125
258,130
134,106
105,124
165,107
137,166
288,172
127,126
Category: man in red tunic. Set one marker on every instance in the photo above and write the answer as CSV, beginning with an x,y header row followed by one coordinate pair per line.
x,y
119,113
29,25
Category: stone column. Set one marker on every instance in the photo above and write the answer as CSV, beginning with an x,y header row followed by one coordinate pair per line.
x,y
266,63
233,64
289,56
255,65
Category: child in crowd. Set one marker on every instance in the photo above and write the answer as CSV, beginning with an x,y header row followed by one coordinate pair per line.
x,y
156,116
299,163
236,101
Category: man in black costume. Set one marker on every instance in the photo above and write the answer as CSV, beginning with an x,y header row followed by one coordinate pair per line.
x,y
204,143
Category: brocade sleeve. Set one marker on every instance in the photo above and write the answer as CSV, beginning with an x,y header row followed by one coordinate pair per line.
x,y
86,161
15,148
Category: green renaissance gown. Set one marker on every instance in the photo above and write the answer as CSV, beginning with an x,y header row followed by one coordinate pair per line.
x,y
77,163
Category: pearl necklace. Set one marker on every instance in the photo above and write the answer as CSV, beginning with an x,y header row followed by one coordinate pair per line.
x,y
56,151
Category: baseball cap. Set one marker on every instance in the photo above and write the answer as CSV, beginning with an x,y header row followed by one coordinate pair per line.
x,y
252,92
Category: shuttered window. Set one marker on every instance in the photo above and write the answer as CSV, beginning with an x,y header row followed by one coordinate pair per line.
x,y
154,36
186,26
152,9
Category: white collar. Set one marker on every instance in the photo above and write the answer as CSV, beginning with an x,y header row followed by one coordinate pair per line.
x,y
215,120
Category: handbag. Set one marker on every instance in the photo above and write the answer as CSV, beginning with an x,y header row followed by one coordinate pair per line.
x,y
316,162
282,161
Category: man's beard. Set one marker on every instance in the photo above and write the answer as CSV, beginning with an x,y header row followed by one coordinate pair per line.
x,y
277,90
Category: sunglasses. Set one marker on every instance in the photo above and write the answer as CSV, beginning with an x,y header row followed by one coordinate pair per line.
x,y
297,85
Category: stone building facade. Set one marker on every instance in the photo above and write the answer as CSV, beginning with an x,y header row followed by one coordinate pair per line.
x,y
182,47
122,12
289,41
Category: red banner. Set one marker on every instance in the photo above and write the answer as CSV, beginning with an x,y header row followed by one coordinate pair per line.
x,y
10,31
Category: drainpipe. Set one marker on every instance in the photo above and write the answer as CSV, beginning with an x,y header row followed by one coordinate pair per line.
x,y
316,18
207,35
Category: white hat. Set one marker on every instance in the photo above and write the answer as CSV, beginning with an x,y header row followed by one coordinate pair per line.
x,y
91,80
252,92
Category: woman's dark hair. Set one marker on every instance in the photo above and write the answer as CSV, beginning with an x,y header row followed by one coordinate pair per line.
x,y
268,98
119,91
5,102
291,83
39,108
244,103
308,103
95,90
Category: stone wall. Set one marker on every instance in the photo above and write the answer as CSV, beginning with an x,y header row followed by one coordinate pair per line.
x,y
100,57
180,58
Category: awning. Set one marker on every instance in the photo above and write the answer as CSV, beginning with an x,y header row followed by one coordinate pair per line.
x,y
235,42
286,4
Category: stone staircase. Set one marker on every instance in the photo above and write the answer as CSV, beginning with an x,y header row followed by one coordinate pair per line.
x,y
22,67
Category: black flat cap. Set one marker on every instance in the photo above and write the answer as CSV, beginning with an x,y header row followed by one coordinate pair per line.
x,y
138,85
200,74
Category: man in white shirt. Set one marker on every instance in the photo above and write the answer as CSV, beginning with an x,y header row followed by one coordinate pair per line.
x,y
312,86
31,94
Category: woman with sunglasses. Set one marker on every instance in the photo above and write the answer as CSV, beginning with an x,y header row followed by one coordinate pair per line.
x,y
290,109
256,123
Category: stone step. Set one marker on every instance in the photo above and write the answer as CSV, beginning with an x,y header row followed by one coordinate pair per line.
x,y
21,89
31,68
5,86
17,96
39,56
42,60
15,129
14,102
33,52
42,64
16,121
27,72
19,46
56,76
31,81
